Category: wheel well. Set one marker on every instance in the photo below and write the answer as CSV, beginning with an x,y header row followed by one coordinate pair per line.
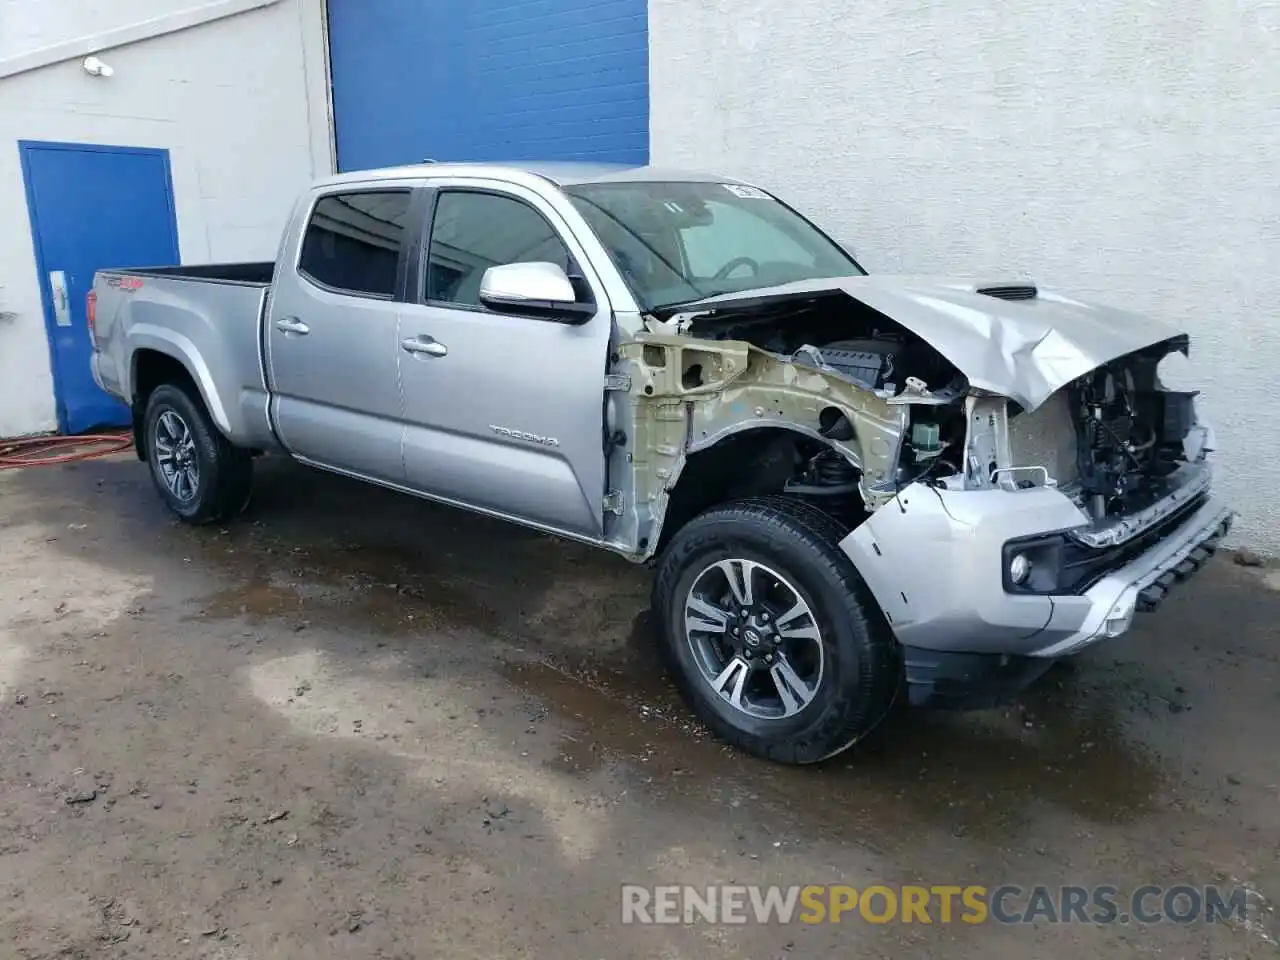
x,y
152,369
760,462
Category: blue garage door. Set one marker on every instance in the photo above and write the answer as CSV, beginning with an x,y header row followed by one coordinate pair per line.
x,y
489,80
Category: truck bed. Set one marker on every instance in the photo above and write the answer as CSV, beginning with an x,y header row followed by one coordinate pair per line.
x,y
207,318
252,274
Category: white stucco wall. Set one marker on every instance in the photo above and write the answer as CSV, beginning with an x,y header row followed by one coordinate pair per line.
x,y
1128,153
239,102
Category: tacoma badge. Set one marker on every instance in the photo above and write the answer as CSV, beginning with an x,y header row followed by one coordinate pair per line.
x,y
528,437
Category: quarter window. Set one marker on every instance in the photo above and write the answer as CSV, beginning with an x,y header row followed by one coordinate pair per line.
x,y
352,243
474,231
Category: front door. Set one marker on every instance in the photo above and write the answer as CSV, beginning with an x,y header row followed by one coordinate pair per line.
x,y
91,208
502,412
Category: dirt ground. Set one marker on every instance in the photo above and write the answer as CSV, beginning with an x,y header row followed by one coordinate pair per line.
x,y
355,725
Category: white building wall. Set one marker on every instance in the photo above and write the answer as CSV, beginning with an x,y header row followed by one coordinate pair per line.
x,y
240,102
1128,153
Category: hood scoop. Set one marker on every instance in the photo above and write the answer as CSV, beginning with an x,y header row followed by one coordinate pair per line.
x,y
1014,291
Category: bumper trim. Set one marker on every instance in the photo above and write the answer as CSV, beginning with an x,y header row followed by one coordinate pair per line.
x,y
1153,595
1143,584
1189,483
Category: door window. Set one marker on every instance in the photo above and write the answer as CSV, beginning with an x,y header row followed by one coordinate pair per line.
x,y
474,231
352,243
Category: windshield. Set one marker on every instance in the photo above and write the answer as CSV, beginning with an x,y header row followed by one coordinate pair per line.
x,y
676,242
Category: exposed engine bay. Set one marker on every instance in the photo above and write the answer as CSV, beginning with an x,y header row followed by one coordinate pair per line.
x,y
1129,431
1107,439
840,335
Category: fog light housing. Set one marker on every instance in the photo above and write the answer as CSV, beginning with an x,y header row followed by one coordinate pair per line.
x,y
1019,568
1033,565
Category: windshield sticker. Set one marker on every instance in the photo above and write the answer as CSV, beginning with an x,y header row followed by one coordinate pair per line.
x,y
744,192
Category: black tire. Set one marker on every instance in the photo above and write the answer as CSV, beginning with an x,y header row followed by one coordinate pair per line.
x,y
224,472
861,667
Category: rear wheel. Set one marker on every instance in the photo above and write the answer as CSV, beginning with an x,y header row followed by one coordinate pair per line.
x,y
769,632
199,474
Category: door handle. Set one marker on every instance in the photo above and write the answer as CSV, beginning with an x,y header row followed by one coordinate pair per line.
x,y
292,325
61,302
425,344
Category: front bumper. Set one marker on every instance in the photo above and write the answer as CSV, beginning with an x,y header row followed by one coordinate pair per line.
x,y
933,560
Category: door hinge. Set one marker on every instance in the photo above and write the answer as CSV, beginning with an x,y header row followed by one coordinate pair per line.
x,y
617,381
613,502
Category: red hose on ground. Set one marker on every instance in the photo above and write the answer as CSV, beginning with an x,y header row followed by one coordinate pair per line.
x,y
43,451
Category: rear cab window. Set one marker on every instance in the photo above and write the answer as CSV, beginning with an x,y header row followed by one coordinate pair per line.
x,y
353,240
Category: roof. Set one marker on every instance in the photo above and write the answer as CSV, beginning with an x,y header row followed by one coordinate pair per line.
x,y
561,173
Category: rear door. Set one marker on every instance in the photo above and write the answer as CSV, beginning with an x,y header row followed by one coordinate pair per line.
x,y
331,334
506,412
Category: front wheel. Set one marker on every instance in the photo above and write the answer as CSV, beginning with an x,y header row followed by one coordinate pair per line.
x,y
199,474
770,634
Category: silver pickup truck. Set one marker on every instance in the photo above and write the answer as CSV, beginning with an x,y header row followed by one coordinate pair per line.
x,y
855,488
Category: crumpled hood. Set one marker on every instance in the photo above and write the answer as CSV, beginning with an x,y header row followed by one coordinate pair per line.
x,y
1022,349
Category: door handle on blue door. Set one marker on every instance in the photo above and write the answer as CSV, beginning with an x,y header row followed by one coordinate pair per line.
x,y
292,325
424,344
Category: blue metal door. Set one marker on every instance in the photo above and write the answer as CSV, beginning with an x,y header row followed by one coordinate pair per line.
x,y
92,207
489,80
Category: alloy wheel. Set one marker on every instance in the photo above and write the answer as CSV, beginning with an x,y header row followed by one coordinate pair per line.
x,y
176,457
754,639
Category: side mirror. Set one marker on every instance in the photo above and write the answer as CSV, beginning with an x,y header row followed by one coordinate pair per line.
x,y
539,288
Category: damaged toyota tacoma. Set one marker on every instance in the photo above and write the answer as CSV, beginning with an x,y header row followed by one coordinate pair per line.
x,y
856,489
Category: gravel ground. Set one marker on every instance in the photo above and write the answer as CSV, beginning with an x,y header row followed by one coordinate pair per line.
x,y
355,725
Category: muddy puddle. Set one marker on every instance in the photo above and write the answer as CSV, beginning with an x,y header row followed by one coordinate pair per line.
x,y
567,627
982,776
